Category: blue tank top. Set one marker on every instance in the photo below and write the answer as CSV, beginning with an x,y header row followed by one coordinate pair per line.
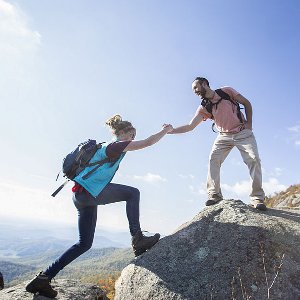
x,y
102,176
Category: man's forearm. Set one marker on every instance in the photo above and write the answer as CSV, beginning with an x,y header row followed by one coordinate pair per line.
x,y
248,113
248,107
188,127
181,129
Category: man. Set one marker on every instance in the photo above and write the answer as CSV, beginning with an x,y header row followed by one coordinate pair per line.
x,y
234,130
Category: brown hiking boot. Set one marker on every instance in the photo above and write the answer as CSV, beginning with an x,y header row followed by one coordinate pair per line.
x,y
141,243
258,204
210,202
41,285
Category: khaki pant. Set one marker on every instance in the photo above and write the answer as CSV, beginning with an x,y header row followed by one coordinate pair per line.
x,y
246,143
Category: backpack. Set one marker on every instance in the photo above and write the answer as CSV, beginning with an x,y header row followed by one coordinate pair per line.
x,y
77,160
209,105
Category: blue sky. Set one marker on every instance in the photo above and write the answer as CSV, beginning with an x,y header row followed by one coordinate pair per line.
x,y
67,66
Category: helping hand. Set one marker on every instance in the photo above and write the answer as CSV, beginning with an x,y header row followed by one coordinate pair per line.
x,y
167,127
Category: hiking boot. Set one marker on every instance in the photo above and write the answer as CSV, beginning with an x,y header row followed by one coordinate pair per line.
x,y
258,204
1,281
141,243
212,201
41,284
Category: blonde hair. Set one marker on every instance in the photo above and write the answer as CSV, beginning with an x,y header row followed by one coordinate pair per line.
x,y
117,124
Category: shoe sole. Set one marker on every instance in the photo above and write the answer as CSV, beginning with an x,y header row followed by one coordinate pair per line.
x,y
139,252
143,250
47,295
212,202
260,207
31,288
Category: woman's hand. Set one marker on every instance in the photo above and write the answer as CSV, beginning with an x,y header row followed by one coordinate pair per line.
x,y
167,128
151,140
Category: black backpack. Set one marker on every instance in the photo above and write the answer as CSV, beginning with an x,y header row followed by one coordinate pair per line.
x,y
77,160
209,105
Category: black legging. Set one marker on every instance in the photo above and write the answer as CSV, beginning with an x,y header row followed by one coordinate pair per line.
x,y
87,217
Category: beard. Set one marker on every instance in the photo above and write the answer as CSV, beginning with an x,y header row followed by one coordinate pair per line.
x,y
202,92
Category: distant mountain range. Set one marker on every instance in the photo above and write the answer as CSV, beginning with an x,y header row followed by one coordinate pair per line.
x,y
27,248
95,261
11,271
20,238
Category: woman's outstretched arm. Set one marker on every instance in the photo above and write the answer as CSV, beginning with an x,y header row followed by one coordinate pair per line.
x,y
151,140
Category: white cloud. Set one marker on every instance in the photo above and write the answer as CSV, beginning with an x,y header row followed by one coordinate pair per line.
x,y
272,186
295,135
150,178
19,201
243,188
276,172
295,128
17,39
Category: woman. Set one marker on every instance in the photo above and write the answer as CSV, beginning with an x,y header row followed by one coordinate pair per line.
x,y
97,190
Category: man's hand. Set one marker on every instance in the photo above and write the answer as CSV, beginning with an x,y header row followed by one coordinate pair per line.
x,y
248,110
248,125
167,127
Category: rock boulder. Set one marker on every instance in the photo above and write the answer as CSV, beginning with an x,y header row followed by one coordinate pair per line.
x,y
227,251
67,290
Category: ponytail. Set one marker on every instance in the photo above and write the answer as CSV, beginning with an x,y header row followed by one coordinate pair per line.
x,y
116,124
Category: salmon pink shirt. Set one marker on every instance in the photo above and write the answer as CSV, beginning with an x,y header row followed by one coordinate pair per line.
x,y
225,115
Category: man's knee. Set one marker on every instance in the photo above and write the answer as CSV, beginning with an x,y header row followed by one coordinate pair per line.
x,y
214,160
252,161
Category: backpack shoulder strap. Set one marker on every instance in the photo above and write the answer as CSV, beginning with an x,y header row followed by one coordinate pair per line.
x,y
223,94
226,96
